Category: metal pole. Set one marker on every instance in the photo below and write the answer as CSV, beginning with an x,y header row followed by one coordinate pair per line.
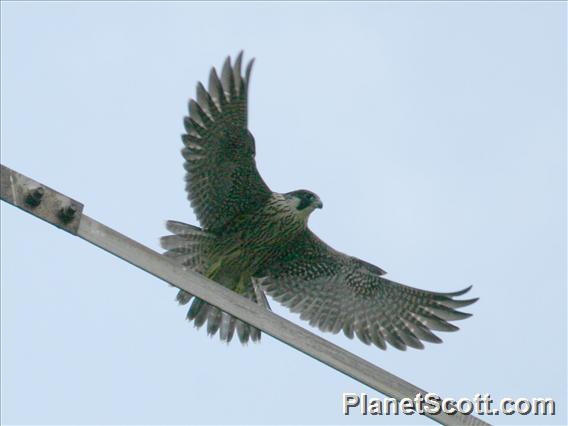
x,y
66,214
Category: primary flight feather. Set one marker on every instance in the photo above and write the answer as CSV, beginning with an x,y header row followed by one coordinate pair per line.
x,y
255,241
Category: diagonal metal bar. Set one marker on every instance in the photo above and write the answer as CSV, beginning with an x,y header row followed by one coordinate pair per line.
x,y
19,190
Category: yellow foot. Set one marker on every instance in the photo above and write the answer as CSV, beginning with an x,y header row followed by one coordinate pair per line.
x,y
214,270
244,282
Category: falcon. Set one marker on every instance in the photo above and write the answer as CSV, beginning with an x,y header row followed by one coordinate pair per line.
x,y
257,242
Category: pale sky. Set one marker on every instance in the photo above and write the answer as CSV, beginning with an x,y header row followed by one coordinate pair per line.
x,y
434,133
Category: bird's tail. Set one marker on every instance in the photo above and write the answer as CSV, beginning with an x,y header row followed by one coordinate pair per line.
x,y
189,246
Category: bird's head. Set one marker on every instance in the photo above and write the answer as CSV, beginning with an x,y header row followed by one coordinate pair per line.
x,y
304,201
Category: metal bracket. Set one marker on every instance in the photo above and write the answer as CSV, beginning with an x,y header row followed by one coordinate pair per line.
x,y
40,200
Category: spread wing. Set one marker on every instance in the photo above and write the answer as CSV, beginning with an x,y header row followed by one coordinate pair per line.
x,y
222,178
337,292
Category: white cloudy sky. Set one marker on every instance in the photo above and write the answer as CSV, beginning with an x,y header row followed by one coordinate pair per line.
x,y
434,133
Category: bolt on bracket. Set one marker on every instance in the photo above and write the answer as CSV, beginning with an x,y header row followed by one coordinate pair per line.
x,y
40,200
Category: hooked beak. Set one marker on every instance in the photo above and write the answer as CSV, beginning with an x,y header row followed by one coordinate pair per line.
x,y
318,204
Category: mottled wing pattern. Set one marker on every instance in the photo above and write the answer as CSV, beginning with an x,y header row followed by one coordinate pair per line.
x,y
222,178
336,292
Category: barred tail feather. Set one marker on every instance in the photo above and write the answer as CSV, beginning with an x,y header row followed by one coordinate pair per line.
x,y
189,246
227,327
201,313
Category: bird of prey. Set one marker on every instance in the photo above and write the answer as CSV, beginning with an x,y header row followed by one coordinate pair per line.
x,y
257,242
